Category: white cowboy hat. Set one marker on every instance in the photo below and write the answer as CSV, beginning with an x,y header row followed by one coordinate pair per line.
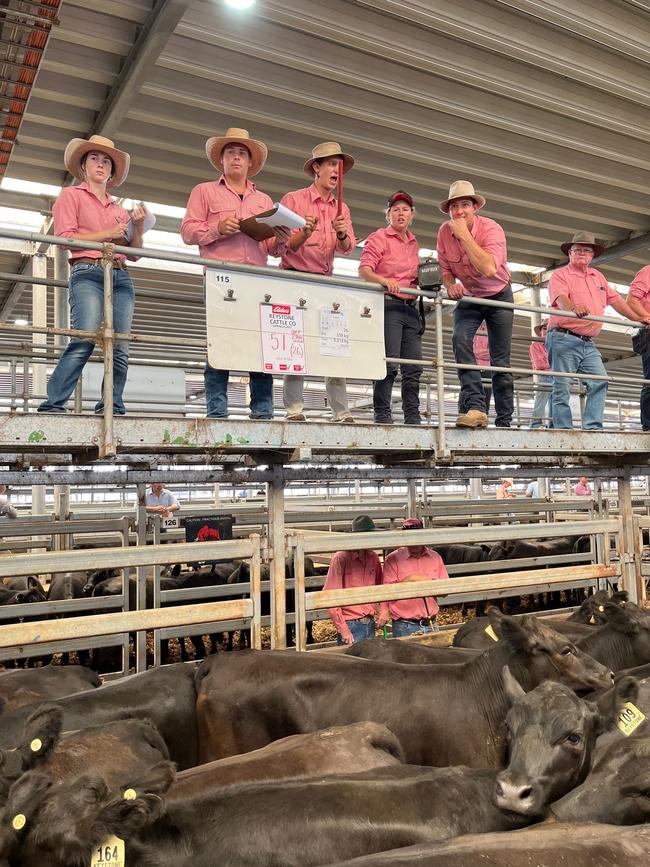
x,y
258,150
585,238
461,190
325,151
77,148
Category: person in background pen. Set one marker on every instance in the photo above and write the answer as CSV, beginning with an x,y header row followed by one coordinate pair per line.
x,y
312,249
87,212
539,361
481,349
390,257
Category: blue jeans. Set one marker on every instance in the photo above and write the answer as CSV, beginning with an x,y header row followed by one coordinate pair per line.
x,y
359,630
216,393
406,627
467,320
573,355
402,339
542,401
86,296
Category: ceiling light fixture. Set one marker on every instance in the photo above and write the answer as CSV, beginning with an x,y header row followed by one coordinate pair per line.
x,y
240,4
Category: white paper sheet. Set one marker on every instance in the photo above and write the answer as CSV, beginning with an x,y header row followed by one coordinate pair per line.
x,y
149,223
282,217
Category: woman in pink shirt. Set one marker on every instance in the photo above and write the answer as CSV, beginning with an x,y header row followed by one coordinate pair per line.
x,y
87,212
391,257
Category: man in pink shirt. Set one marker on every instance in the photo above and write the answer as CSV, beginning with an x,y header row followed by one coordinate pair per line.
x,y
539,361
473,256
583,488
412,563
312,249
584,291
354,569
212,218
639,300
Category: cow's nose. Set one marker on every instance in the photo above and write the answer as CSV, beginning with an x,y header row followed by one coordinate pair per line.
x,y
513,796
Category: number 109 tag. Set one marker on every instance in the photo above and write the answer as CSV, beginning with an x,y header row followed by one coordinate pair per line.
x,y
111,852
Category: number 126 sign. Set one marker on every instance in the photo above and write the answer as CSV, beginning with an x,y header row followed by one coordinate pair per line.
x,y
283,339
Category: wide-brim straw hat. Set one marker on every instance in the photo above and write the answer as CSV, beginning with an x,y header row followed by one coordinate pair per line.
x,y
77,148
462,190
511,481
258,150
585,238
325,151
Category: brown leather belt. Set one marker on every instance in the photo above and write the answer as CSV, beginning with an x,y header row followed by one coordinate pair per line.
x,y
88,260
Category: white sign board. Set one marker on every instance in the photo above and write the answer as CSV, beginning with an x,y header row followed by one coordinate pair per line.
x,y
283,339
332,325
170,523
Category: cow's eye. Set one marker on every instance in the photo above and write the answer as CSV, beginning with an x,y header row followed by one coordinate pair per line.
x,y
574,738
567,651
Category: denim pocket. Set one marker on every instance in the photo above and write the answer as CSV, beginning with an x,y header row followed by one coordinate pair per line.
x,y
83,266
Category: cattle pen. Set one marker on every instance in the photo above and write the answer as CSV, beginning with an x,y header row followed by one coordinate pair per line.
x,y
131,452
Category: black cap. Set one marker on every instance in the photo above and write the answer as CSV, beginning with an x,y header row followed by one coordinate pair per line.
x,y
363,524
400,195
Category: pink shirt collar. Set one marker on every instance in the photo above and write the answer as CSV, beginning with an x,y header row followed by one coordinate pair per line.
x,y
85,186
315,195
250,186
409,235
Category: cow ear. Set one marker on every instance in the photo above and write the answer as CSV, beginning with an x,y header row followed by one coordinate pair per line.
x,y
611,703
518,633
26,795
620,597
513,689
156,781
620,619
41,734
123,818
495,616
32,583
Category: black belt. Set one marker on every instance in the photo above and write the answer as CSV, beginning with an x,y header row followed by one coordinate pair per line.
x,y
584,337
421,621
409,301
367,619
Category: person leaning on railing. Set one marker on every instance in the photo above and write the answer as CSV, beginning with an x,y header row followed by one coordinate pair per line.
x,y
359,568
390,257
412,563
87,212
639,300
473,256
212,218
571,349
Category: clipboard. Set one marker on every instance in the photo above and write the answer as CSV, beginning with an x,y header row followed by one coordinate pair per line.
x,y
260,231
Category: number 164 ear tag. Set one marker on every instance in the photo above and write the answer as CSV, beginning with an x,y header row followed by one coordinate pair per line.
x,y
110,854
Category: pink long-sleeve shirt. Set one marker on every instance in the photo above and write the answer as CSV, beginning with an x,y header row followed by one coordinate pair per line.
x,y
389,255
588,288
581,490
316,255
397,568
640,287
213,201
455,261
352,569
481,349
538,356
78,211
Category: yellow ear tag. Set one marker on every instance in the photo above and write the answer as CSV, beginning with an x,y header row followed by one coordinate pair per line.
x,y
601,608
592,619
110,854
36,745
629,718
19,822
489,631
130,795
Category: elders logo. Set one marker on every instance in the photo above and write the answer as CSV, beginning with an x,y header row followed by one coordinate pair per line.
x,y
282,309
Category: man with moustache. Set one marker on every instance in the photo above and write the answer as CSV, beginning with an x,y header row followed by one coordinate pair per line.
x,y
473,256
312,249
584,291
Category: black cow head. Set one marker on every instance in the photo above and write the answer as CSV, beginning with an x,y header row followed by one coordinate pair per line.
x,y
544,654
551,738
593,610
617,791
41,734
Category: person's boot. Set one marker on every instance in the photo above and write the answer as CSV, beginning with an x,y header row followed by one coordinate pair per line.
x,y
472,418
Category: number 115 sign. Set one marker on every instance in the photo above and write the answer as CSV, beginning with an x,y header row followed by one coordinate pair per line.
x,y
283,339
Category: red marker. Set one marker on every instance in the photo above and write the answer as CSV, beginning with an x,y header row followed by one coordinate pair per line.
x,y
339,203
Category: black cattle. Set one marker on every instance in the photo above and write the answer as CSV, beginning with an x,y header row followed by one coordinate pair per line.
x,y
477,634
546,845
21,591
442,714
516,549
624,641
165,696
457,554
40,735
592,611
628,721
552,737
409,652
336,817
28,686
617,790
